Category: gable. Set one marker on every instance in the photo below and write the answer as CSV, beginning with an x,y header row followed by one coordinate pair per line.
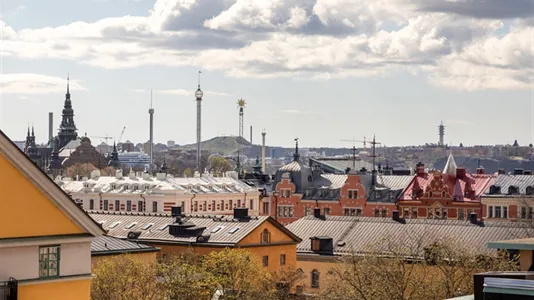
x,y
31,204
277,235
25,211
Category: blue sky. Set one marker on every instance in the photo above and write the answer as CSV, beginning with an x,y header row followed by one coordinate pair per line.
x,y
320,70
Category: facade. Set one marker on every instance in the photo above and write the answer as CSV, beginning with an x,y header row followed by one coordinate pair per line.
x,y
510,197
45,238
134,159
298,189
451,194
177,232
140,192
325,239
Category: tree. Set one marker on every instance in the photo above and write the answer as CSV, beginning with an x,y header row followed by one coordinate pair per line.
x,y
188,172
286,281
126,277
419,267
82,170
238,274
108,171
219,165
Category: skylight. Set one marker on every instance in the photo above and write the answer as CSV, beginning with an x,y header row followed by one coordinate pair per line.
x,y
216,229
233,230
147,226
163,227
114,224
131,225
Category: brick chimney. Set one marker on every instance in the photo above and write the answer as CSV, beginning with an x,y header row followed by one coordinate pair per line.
x,y
500,171
420,169
460,172
480,170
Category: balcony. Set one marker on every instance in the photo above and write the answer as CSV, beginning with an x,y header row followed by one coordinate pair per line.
x,y
8,289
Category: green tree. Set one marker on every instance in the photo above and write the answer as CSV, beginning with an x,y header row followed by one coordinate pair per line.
x,y
80,170
188,172
219,165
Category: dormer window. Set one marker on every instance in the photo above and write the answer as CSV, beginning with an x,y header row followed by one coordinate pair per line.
x,y
135,187
265,237
113,186
147,187
495,189
513,190
86,185
529,190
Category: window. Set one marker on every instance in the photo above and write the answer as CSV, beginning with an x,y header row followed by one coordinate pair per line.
x,y
326,211
113,186
230,204
265,237
316,245
406,212
430,213
430,194
529,190
195,206
353,194
300,289
155,206
266,261
490,211
238,203
377,212
359,212
282,259
205,206
307,211
350,211
523,212
505,212
163,228
49,261
414,213
251,204
384,212
117,205
139,205
461,214
513,190
213,205
494,189
497,212
106,205
134,188
215,229
315,279
128,205
265,207
91,204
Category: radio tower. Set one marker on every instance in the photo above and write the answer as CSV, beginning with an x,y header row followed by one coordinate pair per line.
x,y
241,103
198,96
151,133
441,128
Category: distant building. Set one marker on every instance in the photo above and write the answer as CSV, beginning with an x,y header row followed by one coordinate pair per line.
x,y
134,159
127,146
86,154
171,143
140,192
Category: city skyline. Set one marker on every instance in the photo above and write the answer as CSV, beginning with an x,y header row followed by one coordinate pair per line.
x,y
395,70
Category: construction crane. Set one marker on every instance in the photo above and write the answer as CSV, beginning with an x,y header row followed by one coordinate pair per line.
x,y
373,142
122,133
106,138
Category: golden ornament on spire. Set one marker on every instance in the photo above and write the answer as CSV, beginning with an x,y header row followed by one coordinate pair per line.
x,y
241,102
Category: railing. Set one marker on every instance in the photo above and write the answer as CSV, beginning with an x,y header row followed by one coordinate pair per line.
x,y
8,289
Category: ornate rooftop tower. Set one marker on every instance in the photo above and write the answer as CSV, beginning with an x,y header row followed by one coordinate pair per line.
x,y
67,129
114,159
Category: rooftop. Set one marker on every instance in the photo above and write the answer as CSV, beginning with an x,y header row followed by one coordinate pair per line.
x,y
107,245
523,185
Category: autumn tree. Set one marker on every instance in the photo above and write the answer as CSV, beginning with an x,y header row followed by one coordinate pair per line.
x,y
126,277
285,281
82,170
219,165
188,172
108,171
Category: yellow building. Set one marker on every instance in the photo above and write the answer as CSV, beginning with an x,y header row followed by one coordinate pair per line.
x,y
104,247
261,235
45,238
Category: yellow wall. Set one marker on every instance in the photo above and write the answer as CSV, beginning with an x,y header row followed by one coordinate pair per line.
x,y
255,236
525,259
144,256
23,206
60,290
307,267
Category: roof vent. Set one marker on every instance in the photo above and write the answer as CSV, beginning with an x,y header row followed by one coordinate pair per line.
x,y
133,235
241,214
518,171
322,245
203,238
317,212
500,171
473,218
176,211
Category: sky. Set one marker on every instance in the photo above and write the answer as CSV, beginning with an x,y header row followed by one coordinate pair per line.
x,y
320,70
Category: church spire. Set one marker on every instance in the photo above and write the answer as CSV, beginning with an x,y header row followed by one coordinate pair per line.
x,y
67,95
296,156
67,129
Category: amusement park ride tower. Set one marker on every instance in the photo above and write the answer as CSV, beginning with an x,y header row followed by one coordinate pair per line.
x,y
241,104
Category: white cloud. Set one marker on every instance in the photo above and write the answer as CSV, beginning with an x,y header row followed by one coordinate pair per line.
x,y
318,39
295,112
28,83
191,93
137,91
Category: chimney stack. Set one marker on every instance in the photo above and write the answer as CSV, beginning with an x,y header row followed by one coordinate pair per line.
x,y
50,126
460,172
420,169
518,171
480,170
473,218
263,133
500,171
317,212
250,134
176,211
240,213
396,215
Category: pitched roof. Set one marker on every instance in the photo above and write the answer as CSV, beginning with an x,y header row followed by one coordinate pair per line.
x,y
450,165
47,186
359,232
505,181
339,165
106,245
220,228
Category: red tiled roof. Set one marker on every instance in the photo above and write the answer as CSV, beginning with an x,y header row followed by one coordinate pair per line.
x,y
478,183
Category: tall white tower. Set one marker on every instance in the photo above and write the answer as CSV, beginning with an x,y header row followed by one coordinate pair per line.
x,y
441,128
151,133
241,103
198,96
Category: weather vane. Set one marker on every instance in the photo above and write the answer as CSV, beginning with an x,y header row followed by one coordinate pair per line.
x,y
241,102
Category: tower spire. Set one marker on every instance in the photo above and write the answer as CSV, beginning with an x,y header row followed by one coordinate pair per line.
x,y
296,156
68,84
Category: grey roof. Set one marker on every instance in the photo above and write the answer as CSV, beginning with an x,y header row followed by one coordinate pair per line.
x,y
505,181
394,182
291,167
159,231
359,232
339,165
105,245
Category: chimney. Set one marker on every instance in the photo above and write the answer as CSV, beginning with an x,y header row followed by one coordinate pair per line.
x,y
460,172
518,171
118,174
480,170
250,134
317,212
420,169
527,172
373,178
95,174
500,171
240,213
161,176
473,218
263,133
396,216
176,211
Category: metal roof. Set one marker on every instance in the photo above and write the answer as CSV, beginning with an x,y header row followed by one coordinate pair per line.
x,y
360,232
505,181
119,224
340,165
103,245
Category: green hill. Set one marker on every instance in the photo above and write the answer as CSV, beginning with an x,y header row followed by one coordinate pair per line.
x,y
225,145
